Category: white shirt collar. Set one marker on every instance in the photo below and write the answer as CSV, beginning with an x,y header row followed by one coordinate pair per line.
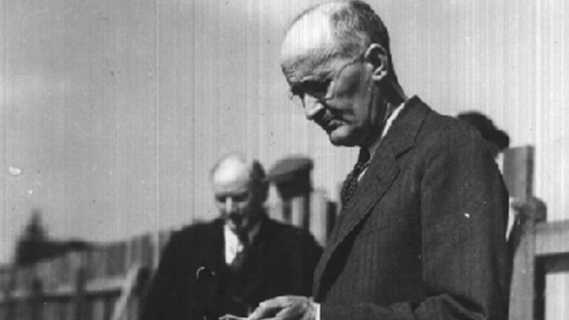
x,y
388,122
232,243
373,147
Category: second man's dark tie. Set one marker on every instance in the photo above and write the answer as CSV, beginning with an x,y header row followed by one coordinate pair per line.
x,y
351,183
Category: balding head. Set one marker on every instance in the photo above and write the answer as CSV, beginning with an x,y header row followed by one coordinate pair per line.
x,y
240,190
334,29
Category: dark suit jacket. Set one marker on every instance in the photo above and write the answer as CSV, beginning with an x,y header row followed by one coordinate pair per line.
x,y
192,277
423,236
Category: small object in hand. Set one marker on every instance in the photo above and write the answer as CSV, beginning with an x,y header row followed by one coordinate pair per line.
x,y
232,317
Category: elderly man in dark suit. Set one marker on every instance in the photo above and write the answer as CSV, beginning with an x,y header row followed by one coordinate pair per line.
x,y
421,231
230,265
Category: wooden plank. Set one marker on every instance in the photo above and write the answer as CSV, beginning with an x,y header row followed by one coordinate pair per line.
x,y
552,238
299,211
116,258
79,300
277,212
557,287
147,251
127,290
104,285
522,289
319,216
518,171
97,310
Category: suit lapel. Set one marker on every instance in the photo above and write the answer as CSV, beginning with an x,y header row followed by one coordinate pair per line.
x,y
376,181
370,189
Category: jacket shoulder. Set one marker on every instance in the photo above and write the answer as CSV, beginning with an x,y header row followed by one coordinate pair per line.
x,y
196,234
287,233
455,133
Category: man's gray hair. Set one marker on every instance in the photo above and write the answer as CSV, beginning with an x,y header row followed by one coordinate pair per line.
x,y
354,26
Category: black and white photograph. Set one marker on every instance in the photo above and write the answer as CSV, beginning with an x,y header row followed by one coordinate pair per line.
x,y
290,160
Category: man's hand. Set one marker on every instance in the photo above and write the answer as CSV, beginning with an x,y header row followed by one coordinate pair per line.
x,y
286,308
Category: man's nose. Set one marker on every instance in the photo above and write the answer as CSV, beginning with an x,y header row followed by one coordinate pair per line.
x,y
229,204
312,107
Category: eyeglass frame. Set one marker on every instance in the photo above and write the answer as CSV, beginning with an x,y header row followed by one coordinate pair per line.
x,y
297,93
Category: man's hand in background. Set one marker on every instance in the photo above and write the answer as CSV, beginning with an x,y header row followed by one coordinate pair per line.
x,y
286,308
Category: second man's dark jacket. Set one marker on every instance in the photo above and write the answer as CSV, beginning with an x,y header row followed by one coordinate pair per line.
x,y
193,281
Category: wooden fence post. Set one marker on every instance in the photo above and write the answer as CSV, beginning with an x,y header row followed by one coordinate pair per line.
x,y
525,280
79,299
10,308
36,299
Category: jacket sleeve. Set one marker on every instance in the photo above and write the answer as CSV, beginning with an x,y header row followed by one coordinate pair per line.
x,y
311,256
160,294
463,212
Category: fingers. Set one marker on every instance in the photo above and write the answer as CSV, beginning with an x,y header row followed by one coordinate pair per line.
x,y
268,308
285,308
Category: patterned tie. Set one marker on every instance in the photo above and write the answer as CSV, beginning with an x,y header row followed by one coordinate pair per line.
x,y
351,183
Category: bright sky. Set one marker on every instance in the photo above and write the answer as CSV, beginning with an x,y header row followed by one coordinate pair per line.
x,y
113,111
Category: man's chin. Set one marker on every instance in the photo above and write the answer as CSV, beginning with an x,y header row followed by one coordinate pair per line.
x,y
340,140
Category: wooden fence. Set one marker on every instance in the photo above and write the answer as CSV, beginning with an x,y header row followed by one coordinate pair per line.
x,y
107,282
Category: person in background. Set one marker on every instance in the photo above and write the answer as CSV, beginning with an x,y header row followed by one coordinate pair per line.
x,y
496,139
231,264
421,230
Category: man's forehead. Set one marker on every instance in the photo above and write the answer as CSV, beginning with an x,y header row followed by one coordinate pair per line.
x,y
308,35
231,171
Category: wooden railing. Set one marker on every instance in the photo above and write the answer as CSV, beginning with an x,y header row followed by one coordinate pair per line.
x,y
103,283
541,248
107,282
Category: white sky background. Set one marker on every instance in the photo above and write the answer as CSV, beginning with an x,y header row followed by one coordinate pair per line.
x,y
113,111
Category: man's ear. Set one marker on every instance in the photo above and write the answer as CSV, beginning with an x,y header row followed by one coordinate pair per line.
x,y
377,56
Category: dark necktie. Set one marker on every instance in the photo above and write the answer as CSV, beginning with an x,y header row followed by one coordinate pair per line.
x,y
351,183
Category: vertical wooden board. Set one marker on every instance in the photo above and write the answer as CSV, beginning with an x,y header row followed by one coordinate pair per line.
x,y
5,276
319,216
140,251
116,259
299,212
68,310
134,308
522,289
63,271
97,263
23,311
49,310
24,278
72,263
134,252
276,212
109,305
55,280
147,251
56,310
164,238
518,171
97,309
46,272
557,287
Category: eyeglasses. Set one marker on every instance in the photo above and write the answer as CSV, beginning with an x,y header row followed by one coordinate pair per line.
x,y
320,90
